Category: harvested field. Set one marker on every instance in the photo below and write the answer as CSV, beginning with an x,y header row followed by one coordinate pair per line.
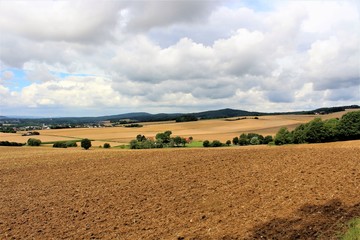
x,y
218,129
288,192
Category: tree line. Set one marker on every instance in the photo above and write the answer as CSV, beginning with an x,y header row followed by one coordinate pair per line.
x,y
162,140
320,131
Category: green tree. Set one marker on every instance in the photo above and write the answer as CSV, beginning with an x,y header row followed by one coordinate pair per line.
x,y
254,141
235,141
228,142
183,141
283,136
134,144
71,144
59,145
140,138
299,134
206,143
147,144
349,126
243,140
216,143
177,141
331,126
268,139
34,142
107,145
164,137
86,143
315,132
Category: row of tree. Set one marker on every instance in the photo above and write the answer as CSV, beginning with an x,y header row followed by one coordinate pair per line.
x,y
162,140
11,144
319,131
251,139
243,140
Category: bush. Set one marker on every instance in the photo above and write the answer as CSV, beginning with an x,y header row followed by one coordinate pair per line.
x,y
11,144
34,142
235,141
206,143
71,144
60,145
349,126
283,137
133,125
216,143
134,144
107,145
147,144
85,143
268,139
254,141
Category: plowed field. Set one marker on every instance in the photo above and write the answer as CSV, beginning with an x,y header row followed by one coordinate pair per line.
x,y
288,192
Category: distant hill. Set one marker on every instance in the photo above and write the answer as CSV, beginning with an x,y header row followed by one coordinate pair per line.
x,y
225,113
147,117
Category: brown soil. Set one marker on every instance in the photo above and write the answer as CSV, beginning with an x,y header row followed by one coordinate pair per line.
x,y
288,192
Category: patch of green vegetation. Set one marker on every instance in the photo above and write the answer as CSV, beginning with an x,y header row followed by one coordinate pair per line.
x,y
195,144
353,232
122,146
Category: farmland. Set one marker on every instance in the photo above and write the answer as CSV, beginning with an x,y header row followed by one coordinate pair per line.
x,y
220,129
242,192
306,191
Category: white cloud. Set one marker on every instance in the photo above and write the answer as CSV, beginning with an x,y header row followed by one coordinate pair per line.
x,y
180,55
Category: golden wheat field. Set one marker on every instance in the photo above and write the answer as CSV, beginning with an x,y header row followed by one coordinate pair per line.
x,y
219,129
256,192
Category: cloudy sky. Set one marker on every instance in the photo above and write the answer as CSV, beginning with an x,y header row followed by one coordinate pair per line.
x,y
91,58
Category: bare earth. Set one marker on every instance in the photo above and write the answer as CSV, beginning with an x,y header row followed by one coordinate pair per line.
x,y
260,192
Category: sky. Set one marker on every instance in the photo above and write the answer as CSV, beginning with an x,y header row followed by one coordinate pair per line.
x,y
106,57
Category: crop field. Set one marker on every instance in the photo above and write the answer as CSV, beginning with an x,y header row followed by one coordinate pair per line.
x,y
256,192
219,129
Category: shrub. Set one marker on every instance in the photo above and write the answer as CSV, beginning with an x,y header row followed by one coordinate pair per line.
x,y
206,143
349,126
107,145
283,137
268,139
11,144
60,145
34,142
133,125
235,141
134,144
85,143
147,144
254,141
71,144
140,138
216,143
